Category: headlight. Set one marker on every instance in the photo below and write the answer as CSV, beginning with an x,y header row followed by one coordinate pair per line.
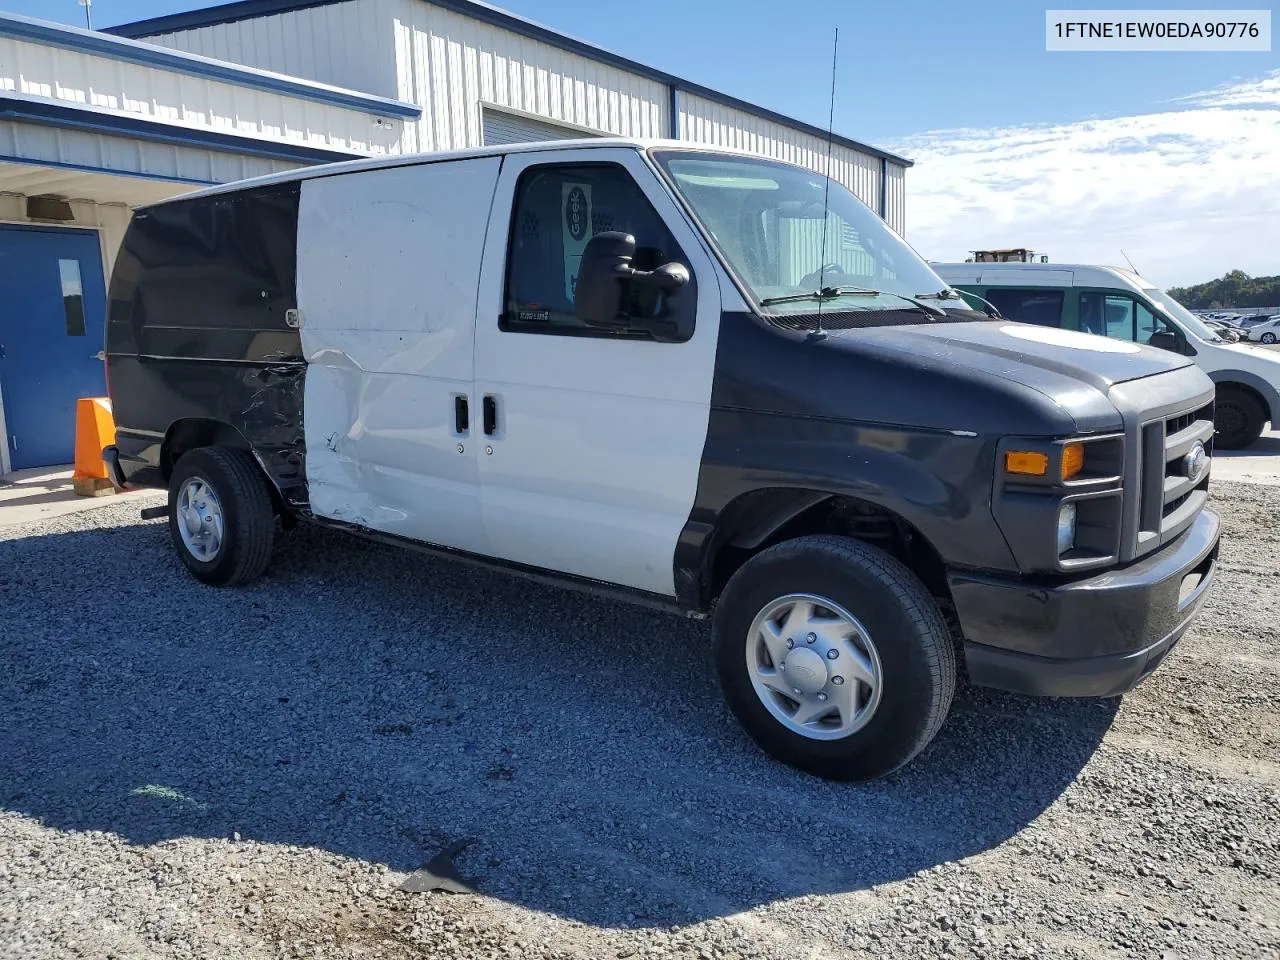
x,y
1066,527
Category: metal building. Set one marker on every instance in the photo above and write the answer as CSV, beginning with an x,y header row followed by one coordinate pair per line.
x,y
483,75
93,124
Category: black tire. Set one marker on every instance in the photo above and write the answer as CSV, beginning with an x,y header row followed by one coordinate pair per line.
x,y
248,519
1238,419
917,656
1268,338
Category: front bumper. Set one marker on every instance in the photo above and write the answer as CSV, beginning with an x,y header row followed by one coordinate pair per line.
x,y
1096,637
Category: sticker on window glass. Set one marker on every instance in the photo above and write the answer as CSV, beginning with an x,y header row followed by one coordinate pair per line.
x,y
72,296
576,223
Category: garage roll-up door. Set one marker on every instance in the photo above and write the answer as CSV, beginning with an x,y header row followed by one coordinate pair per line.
x,y
502,127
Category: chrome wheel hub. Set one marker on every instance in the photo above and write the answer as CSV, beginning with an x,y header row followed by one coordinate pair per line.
x,y
813,666
806,671
200,519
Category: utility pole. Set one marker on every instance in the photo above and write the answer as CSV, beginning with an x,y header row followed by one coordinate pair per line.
x,y
88,13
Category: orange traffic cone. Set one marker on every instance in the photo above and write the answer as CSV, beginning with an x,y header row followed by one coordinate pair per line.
x,y
95,429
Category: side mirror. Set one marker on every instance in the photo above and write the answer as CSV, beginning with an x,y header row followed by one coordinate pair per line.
x,y
1165,340
604,273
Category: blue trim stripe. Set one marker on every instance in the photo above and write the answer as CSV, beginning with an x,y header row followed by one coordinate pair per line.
x,y
86,168
674,106
150,55
74,117
476,10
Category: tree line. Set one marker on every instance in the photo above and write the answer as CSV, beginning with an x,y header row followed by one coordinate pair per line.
x,y
1235,289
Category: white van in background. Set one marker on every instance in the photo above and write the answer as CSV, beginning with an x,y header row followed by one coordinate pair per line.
x,y
1118,303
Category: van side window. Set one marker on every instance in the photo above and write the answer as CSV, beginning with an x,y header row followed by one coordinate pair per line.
x,y
558,209
1119,317
1043,307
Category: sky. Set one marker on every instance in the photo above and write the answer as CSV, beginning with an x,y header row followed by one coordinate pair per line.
x,y
1173,158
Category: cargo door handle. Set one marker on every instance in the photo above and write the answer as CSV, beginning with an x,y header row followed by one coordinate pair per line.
x,y
461,415
490,415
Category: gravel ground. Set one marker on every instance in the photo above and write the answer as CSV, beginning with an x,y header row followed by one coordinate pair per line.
x,y
187,772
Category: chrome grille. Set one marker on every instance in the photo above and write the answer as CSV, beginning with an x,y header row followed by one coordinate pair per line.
x,y
1170,499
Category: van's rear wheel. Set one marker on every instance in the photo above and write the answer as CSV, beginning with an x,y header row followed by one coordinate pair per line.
x,y
833,657
220,515
1238,419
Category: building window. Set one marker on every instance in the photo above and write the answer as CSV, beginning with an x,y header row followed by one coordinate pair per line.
x,y
1042,307
557,212
72,296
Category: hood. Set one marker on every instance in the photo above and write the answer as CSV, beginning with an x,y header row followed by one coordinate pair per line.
x,y
1037,357
1057,378
978,377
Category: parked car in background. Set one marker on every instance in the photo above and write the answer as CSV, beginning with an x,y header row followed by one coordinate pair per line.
x,y
1119,304
1225,330
1266,331
1248,323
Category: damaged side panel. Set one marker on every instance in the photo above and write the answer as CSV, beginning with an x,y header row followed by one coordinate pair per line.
x,y
197,337
388,268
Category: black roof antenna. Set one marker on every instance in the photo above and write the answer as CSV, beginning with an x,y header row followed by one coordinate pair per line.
x,y
826,187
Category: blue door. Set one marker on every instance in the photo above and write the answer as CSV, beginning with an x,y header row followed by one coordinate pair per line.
x,y
52,308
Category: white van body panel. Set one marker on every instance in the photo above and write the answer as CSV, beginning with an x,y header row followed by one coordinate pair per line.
x,y
387,268
1008,278
599,441
1226,363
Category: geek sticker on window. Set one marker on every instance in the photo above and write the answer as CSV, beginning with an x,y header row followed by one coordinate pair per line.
x,y
576,208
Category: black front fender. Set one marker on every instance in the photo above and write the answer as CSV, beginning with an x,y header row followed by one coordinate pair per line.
x,y
938,482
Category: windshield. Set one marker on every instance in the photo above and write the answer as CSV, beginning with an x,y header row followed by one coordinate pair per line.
x,y
766,218
1186,319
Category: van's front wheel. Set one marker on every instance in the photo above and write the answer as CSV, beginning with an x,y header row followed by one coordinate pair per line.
x,y
220,516
833,657
1238,419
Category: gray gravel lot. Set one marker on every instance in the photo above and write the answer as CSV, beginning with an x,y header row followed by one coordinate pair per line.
x,y
188,772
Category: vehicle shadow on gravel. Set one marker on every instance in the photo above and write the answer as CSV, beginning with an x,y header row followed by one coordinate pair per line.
x,y
378,704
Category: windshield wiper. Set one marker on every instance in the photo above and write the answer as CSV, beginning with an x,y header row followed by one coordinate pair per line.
x,y
952,295
831,293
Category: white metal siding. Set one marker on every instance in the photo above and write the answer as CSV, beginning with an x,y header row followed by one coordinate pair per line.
x,y
709,122
38,143
449,64
345,44
72,76
896,197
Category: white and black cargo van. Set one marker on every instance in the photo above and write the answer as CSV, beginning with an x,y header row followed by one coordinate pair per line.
x,y
684,377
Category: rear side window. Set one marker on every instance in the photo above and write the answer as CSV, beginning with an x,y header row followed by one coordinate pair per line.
x,y
558,209
1043,307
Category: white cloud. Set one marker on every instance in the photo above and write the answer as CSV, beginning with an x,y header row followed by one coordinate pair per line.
x,y
1189,193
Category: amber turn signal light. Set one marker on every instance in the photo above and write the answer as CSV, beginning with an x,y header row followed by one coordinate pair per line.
x,y
1072,460
1026,462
